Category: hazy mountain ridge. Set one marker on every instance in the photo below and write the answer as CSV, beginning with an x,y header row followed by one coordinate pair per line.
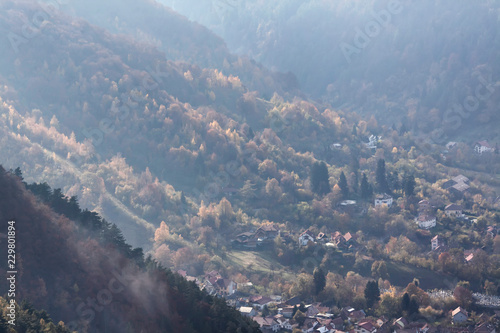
x,y
420,60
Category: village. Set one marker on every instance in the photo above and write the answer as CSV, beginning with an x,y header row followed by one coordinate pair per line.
x,y
275,314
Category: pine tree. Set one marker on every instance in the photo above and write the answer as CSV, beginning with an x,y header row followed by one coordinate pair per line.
x,y
372,293
413,307
366,190
381,177
409,185
19,173
319,178
319,280
405,302
402,130
343,185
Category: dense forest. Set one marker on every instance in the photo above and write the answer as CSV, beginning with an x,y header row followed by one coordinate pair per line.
x,y
78,268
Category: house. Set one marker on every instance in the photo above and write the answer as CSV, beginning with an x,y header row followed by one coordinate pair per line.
x,y
461,179
325,326
401,323
468,256
454,210
216,285
424,204
450,145
481,147
383,199
437,242
348,203
372,141
260,301
338,323
459,315
337,239
425,207
459,188
365,327
245,240
321,237
352,315
267,324
294,301
425,221
248,311
309,325
286,311
448,184
306,237
267,232
314,310
284,323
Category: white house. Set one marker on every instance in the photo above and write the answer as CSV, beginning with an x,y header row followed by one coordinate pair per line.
x,y
437,242
426,221
383,199
306,237
459,315
284,323
372,141
483,147
248,311
454,210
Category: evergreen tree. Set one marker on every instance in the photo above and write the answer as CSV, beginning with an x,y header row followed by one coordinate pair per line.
x,y
355,182
405,302
372,293
19,173
409,185
366,190
402,130
343,185
319,280
413,307
354,130
265,311
319,178
381,177
393,179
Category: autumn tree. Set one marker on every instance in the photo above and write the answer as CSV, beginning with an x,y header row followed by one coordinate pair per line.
x,y
463,296
379,269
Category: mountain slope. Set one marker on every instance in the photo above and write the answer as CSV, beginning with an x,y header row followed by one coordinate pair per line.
x,y
410,61
94,279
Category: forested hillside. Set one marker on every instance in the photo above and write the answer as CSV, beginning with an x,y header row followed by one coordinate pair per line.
x,y
78,268
404,61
